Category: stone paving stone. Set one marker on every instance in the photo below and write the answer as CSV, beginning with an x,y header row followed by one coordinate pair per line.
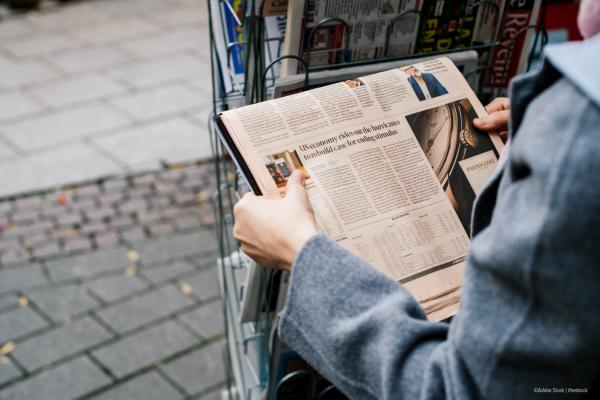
x,y
144,309
47,250
166,42
15,27
24,73
61,165
14,256
167,271
36,45
18,323
148,217
88,265
6,152
160,229
69,219
121,221
181,16
21,278
62,302
159,250
214,395
8,371
77,89
149,386
74,16
87,191
61,126
158,102
67,381
59,343
205,284
207,320
116,287
200,370
188,222
106,239
14,105
8,303
173,141
99,213
148,72
74,245
88,60
8,243
63,233
133,236
145,348
115,30
131,206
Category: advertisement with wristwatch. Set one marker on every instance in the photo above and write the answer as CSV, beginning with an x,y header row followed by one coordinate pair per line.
x,y
461,156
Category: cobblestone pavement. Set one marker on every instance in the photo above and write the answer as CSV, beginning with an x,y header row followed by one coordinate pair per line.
x,y
110,290
97,87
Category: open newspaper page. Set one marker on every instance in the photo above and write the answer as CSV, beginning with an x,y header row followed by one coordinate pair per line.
x,y
392,165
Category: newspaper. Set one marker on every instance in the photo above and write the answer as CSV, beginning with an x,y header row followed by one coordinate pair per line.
x,y
392,165
466,61
369,27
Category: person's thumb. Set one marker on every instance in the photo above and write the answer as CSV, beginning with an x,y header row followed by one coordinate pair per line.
x,y
493,121
295,186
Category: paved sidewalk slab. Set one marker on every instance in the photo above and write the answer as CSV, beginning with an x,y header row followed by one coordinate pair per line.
x,y
68,381
145,348
63,67
130,308
149,386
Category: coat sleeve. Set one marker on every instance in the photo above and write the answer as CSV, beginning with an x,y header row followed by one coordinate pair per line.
x,y
529,317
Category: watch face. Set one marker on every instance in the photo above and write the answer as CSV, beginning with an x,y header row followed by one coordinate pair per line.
x,y
437,131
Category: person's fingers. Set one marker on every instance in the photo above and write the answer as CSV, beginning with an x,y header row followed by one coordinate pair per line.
x,y
295,186
498,104
493,121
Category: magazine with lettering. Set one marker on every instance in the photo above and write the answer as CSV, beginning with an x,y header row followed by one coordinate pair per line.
x,y
392,165
371,29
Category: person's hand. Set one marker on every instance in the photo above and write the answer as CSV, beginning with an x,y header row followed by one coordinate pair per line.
x,y
272,230
497,120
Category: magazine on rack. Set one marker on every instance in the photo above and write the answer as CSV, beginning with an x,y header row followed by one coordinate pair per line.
x,y
392,165
374,28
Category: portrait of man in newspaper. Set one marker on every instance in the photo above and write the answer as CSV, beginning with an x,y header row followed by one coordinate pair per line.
x,y
425,85
461,156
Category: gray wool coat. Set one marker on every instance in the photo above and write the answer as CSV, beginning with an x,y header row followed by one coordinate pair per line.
x,y
529,319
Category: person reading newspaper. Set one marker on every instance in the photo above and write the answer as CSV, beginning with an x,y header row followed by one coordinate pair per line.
x,y
528,321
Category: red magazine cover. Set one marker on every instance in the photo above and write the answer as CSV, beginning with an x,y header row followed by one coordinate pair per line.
x,y
509,60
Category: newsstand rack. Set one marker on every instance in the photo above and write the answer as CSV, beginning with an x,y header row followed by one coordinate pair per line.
x,y
247,353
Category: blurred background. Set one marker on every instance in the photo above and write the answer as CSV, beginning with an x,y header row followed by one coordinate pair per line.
x,y
108,285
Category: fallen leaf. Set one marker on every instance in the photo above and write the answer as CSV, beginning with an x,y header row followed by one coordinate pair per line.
x,y
131,271
202,196
133,255
23,301
67,320
185,288
207,220
7,348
